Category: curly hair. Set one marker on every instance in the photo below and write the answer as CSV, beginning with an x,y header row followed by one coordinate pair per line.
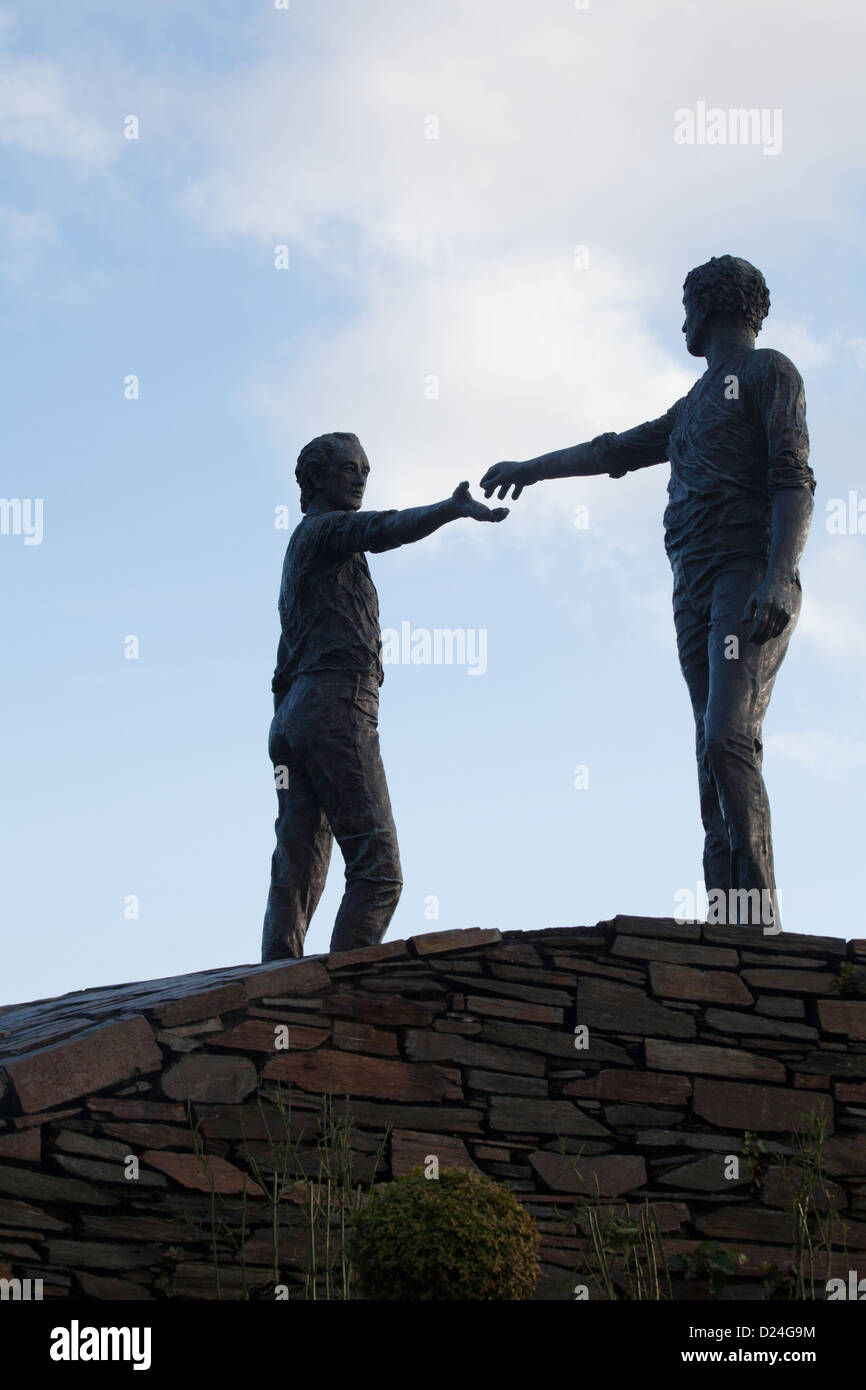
x,y
318,451
737,289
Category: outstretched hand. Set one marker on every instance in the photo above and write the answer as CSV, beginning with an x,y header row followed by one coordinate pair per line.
x,y
504,476
468,506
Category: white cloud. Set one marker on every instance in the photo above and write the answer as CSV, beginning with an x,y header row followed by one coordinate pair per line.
x,y
458,252
42,113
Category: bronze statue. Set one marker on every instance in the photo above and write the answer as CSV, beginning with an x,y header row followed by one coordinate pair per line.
x,y
324,740
739,509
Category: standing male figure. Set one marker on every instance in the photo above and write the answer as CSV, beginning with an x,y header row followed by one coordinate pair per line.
x,y
739,509
324,740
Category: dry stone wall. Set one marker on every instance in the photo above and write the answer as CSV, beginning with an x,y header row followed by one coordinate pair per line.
x,y
608,1065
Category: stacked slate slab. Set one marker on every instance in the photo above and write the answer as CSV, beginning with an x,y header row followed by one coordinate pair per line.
x,y
608,1065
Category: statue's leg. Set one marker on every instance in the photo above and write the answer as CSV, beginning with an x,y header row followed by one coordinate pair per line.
x,y
692,628
350,782
299,866
740,690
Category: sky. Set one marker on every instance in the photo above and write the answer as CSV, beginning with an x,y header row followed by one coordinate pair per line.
x,y
460,231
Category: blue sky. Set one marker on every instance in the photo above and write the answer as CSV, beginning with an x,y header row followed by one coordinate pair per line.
x,y
410,258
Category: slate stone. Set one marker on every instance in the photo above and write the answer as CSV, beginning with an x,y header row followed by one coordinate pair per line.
x,y
520,1010
302,977
446,942
91,1145
755,1107
350,1035
97,1170
499,1083
187,1169
828,1063
775,1007
747,1223
792,981
685,982
711,1061
845,1156
138,1110
431,1046
609,1006
666,927
259,1035
209,1004
506,982
373,1115
632,1116
369,1008
514,953
706,1174
777,961
780,943
366,955
24,1145
107,1055
675,952
632,1085
589,967
211,1077
847,1016
151,1136
606,1176
23,1216
46,1187
552,1042
411,1148
530,1116
727,1021
780,1187
344,1073
94,1254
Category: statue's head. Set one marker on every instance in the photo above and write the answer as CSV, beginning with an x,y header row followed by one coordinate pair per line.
x,y
724,288
332,469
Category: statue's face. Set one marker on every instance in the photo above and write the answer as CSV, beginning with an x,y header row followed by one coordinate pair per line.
x,y
343,479
693,326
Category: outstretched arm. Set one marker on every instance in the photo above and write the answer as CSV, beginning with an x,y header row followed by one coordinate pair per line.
x,y
578,461
614,454
378,531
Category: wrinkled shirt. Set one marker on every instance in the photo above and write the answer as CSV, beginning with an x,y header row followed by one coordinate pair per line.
x,y
328,605
729,455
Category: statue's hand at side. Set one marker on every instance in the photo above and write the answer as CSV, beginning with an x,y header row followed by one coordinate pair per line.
x,y
467,506
504,476
769,610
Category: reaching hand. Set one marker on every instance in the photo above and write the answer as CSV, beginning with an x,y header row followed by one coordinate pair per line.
x,y
467,506
769,610
504,476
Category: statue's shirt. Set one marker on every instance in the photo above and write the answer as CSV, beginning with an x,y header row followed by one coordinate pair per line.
x,y
329,608
736,439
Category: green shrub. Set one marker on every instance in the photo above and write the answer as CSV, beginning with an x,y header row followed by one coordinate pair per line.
x,y
458,1236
